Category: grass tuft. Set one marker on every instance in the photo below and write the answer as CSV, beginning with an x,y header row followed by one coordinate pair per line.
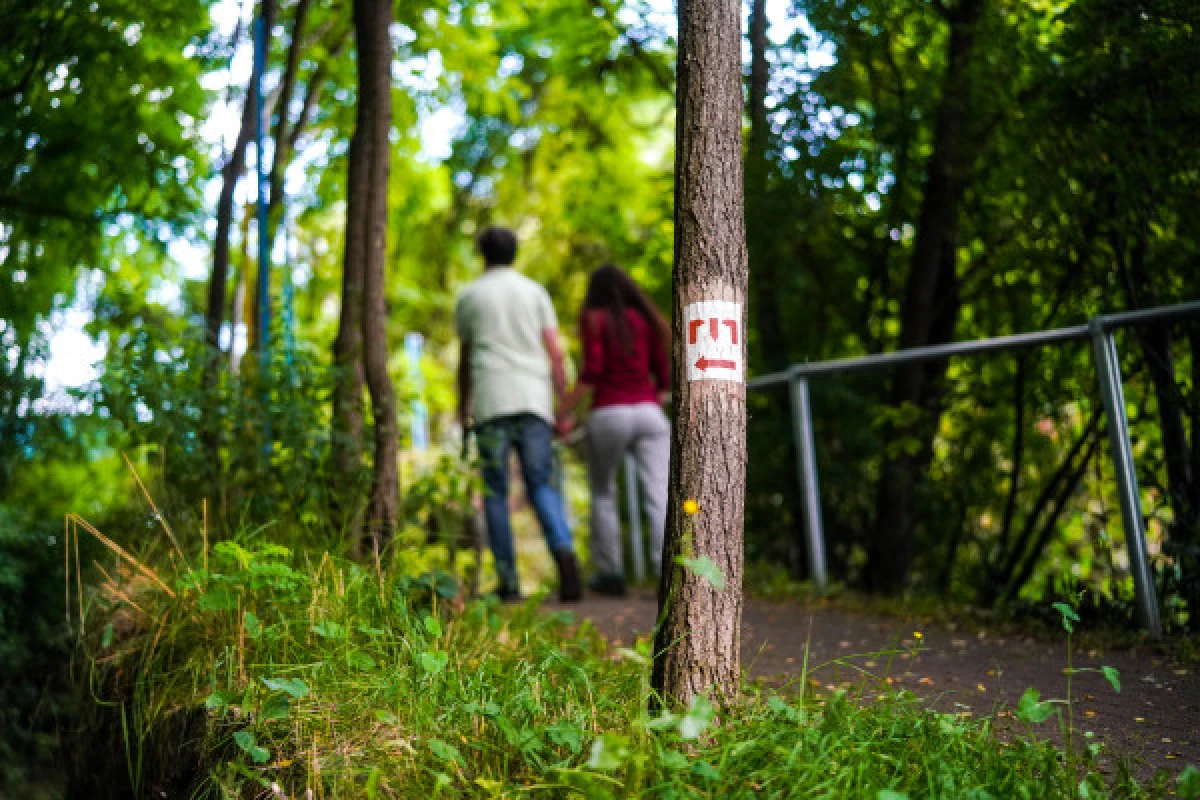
x,y
279,673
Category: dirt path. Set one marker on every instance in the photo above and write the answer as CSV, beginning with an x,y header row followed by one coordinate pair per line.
x,y
1154,721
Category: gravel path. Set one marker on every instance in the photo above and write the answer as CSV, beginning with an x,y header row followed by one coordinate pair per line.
x,y
1154,722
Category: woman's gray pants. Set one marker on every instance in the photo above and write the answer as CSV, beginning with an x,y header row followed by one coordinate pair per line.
x,y
613,431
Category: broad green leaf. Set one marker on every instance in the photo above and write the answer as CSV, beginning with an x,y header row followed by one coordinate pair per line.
x,y
432,625
360,660
890,794
1113,676
253,625
433,662
1031,708
296,687
276,706
246,741
705,568
219,700
1189,783
1068,616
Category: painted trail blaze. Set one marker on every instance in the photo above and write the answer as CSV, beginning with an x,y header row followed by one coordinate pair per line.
x,y
714,341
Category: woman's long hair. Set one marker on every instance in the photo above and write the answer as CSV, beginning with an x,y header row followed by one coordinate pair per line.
x,y
611,289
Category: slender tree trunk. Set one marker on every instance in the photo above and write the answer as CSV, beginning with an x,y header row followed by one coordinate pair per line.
x,y
348,353
372,20
281,136
930,294
696,650
233,170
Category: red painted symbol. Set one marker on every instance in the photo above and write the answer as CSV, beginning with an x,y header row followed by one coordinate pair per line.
x,y
732,328
704,363
714,329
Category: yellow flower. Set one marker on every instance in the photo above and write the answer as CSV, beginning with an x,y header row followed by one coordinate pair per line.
x,y
918,635
690,506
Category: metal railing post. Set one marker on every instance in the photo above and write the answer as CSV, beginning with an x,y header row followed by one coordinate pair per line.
x,y
806,465
1108,370
635,519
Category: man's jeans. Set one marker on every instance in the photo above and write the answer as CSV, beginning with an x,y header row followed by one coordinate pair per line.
x,y
534,442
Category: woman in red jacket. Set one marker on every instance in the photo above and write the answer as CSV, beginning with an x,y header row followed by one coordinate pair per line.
x,y
626,370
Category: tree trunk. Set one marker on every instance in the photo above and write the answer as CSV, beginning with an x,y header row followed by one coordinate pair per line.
x,y
930,296
214,316
768,323
348,353
281,136
231,172
696,650
372,20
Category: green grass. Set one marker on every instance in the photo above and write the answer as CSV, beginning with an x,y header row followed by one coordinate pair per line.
x,y
272,673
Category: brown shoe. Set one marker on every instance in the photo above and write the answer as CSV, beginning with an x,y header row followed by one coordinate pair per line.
x,y
570,587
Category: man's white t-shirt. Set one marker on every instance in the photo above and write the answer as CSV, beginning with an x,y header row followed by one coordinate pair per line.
x,y
501,316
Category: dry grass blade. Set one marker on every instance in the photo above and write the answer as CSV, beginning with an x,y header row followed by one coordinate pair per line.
x,y
120,551
157,514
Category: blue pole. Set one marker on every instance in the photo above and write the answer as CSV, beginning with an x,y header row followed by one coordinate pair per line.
x,y
264,235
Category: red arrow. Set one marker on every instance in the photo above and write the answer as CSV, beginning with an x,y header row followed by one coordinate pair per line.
x,y
704,363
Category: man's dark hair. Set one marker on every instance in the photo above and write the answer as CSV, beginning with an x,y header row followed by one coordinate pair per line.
x,y
498,246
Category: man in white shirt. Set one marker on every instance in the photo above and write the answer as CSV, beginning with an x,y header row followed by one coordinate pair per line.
x,y
510,373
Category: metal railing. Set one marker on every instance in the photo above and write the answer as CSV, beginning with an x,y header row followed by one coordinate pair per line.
x,y
1099,330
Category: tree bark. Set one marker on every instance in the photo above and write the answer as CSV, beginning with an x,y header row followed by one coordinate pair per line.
x,y
697,643
214,316
231,172
348,353
372,21
930,302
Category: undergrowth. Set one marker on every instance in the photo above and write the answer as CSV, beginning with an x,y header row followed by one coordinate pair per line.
x,y
252,671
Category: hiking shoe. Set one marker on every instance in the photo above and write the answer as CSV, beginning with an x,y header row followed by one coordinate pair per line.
x,y
507,590
604,583
570,587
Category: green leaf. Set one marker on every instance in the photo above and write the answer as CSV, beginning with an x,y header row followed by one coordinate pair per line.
x,y
1113,676
253,625
1068,616
705,770
106,638
564,734
890,794
446,752
327,629
219,599
433,662
705,568
219,700
698,717
1189,783
432,625
1031,709
277,706
245,740
357,659
296,687
674,760
609,751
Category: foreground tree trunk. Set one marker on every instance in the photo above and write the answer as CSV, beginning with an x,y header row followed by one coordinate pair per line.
x,y
372,21
697,644
928,314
